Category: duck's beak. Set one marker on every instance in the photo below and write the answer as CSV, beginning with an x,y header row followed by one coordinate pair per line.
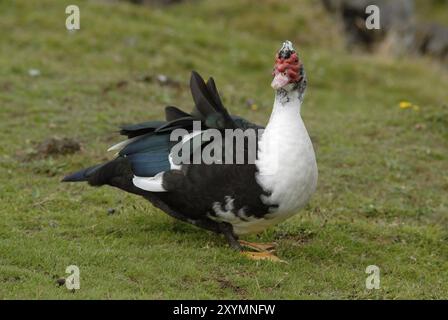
x,y
280,80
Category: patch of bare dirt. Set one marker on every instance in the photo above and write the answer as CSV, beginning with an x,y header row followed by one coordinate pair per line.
x,y
225,283
52,147
297,237
58,146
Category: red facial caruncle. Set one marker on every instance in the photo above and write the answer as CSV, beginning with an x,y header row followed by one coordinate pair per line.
x,y
289,67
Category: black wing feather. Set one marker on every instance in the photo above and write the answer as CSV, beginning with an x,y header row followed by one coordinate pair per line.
x,y
215,95
148,154
174,113
134,130
201,96
209,104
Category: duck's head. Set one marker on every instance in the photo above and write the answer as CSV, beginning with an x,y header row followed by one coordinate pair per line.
x,y
288,72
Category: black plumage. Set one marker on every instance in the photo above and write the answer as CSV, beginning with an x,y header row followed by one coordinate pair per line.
x,y
194,190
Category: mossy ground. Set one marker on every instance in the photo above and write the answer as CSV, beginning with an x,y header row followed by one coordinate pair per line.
x,y
383,172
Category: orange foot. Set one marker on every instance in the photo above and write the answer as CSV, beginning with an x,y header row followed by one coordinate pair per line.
x,y
260,247
266,255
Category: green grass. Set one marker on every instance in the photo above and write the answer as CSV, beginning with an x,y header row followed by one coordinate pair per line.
x,y
383,171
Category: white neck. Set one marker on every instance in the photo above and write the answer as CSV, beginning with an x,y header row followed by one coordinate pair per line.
x,y
286,102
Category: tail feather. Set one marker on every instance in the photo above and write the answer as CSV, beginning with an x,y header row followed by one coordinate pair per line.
x,y
116,173
82,175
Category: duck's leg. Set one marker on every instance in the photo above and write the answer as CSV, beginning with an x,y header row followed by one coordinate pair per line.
x,y
263,253
232,239
260,247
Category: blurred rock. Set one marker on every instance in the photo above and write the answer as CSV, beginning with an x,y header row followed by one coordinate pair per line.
x,y
396,21
332,5
399,32
432,40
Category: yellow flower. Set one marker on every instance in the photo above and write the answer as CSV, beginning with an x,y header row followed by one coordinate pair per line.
x,y
405,105
253,107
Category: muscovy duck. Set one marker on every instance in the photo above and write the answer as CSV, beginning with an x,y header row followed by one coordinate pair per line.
x,y
228,198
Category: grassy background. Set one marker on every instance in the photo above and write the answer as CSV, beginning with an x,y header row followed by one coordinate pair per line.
x,y
383,178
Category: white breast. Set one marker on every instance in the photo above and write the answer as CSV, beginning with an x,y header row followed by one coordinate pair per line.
x,y
286,161
286,166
